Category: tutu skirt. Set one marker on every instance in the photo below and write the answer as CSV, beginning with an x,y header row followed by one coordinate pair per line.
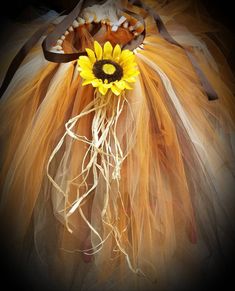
x,y
121,192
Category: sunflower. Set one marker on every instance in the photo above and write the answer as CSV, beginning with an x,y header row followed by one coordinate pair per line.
x,y
108,68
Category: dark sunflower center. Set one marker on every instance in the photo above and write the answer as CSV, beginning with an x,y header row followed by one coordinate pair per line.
x,y
107,69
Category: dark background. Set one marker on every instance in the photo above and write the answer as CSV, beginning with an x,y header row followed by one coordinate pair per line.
x,y
12,278
222,11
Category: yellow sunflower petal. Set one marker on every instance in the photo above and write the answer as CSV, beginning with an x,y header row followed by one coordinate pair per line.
x,y
129,79
129,66
91,55
86,82
84,66
96,83
84,62
125,54
131,73
117,52
116,90
98,50
84,58
127,60
127,86
108,49
103,90
120,84
87,74
106,84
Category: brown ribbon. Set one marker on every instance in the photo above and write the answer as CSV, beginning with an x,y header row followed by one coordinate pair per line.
x,y
60,29
22,53
52,37
212,95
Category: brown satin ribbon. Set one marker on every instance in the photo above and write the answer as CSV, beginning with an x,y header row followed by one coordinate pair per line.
x,y
60,29
51,39
22,53
212,95
47,43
